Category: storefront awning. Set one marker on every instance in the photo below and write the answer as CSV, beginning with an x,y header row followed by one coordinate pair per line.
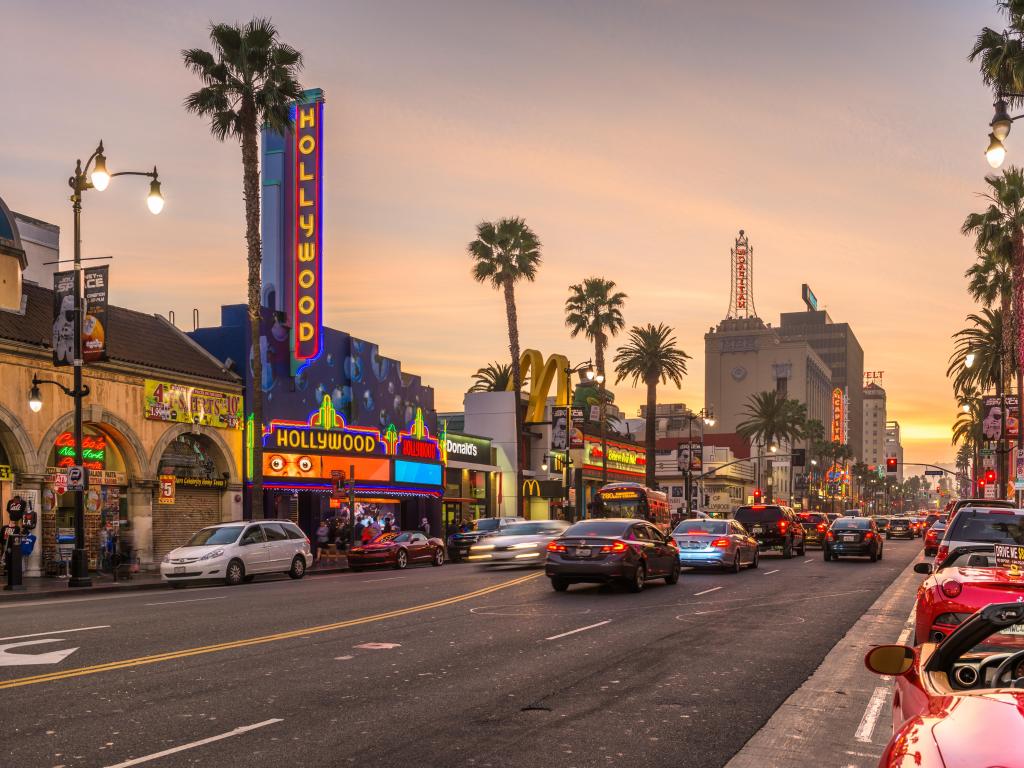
x,y
476,467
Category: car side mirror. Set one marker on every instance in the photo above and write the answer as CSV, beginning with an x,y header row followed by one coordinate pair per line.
x,y
892,660
925,568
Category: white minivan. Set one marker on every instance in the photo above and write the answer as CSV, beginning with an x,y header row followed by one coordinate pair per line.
x,y
237,552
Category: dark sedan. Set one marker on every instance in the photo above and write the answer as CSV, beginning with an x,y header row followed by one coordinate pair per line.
x,y
815,526
856,536
900,527
611,550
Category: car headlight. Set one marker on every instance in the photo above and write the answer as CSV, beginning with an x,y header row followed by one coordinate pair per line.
x,y
167,557
528,545
481,547
212,555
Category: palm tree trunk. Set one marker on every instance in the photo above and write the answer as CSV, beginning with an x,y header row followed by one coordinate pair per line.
x,y
650,475
1016,348
254,259
517,385
599,344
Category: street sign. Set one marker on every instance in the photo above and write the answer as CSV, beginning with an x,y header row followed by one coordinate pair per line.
x,y
990,491
60,484
934,472
78,478
1018,484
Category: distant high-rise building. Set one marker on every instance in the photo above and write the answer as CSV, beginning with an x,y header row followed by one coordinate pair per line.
x,y
874,425
894,446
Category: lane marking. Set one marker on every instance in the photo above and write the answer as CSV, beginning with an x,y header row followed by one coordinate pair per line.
x,y
378,646
194,744
26,659
706,591
871,713
904,636
291,634
386,578
193,600
581,629
808,561
769,573
56,632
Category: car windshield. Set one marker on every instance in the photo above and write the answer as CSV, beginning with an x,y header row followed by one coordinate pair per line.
x,y
987,528
531,529
851,523
758,513
211,536
400,537
964,557
695,527
810,518
597,528
487,524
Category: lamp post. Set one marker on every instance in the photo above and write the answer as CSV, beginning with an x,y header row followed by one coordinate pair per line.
x,y
587,369
707,418
1000,124
84,179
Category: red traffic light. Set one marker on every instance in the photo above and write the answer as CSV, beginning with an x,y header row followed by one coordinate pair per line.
x,y
990,475
757,495
891,464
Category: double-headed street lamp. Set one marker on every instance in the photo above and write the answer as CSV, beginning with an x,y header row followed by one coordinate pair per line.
x,y
93,175
707,419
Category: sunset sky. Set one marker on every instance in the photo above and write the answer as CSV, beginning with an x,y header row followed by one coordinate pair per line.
x,y
635,137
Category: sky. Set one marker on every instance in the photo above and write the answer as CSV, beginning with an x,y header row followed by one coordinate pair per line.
x,y
636,138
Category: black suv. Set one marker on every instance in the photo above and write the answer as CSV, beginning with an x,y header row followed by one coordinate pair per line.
x,y
774,527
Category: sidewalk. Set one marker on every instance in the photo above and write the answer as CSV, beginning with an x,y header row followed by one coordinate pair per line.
x,y
41,587
840,715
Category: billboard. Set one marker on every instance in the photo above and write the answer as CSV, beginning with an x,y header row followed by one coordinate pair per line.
x,y
308,306
997,413
94,324
167,401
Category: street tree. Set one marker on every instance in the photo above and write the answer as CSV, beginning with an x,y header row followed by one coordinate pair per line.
x,y
494,377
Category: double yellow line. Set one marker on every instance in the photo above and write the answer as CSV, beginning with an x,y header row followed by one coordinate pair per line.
x,y
186,652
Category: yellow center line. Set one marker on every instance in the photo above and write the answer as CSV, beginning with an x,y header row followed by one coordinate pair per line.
x,y
200,650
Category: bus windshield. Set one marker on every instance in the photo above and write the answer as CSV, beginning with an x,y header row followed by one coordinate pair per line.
x,y
623,503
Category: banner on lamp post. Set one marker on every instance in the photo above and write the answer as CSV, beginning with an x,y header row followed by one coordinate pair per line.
x,y
94,324
63,318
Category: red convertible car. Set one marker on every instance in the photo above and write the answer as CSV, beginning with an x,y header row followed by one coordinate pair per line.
x,y
959,702
397,550
968,579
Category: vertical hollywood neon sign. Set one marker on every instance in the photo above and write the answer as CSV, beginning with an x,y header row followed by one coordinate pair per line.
x,y
308,309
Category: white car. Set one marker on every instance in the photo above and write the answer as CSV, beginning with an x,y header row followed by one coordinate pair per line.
x,y
237,552
981,525
518,544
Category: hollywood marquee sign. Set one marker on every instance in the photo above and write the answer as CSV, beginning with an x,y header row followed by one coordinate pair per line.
x,y
308,309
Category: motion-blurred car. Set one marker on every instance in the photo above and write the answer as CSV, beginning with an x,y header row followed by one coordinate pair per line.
x,y
715,544
460,543
774,527
857,536
398,550
982,525
959,702
967,580
815,526
519,544
932,538
611,550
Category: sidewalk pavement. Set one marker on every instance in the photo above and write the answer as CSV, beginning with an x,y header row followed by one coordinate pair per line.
x,y
840,717
40,587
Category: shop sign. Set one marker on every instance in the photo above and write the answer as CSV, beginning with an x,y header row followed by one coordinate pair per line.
x,y
838,418
167,487
418,449
622,458
542,375
94,450
200,482
466,448
6,473
1009,556
166,401
96,476
296,465
308,309
544,489
417,472
321,441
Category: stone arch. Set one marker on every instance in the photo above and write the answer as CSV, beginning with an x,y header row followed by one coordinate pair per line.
x,y
128,443
17,443
208,432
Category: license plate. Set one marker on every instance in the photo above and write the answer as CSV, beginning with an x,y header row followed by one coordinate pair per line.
x,y
179,569
693,545
849,538
1014,629
755,529
582,552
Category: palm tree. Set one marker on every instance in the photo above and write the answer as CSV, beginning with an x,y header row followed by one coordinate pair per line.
x,y
495,377
594,308
983,339
249,80
504,253
651,356
773,418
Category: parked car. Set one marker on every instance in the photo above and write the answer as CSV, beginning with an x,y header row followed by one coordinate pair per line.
x,y
982,525
398,550
774,527
815,526
519,544
460,543
966,581
237,552
611,550
899,527
990,503
932,537
715,544
958,703
857,536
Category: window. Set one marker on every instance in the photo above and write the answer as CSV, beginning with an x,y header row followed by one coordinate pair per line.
x,y
639,533
292,531
274,532
418,538
252,535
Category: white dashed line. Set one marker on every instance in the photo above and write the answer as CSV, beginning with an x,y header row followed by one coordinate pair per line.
x,y
193,600
58,632
769,573
808,561
706,591
581,629
201,742
871,713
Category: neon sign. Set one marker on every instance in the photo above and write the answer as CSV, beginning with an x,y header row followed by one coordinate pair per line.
x,y
308,309
324,432
94,450
838,411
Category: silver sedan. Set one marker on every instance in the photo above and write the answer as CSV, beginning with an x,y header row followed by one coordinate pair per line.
x,y
715,544
521,544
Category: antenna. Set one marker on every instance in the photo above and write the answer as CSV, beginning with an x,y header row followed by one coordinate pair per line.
x,y
741,284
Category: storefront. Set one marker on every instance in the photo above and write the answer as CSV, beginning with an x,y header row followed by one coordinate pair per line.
x,y
471,479
627,462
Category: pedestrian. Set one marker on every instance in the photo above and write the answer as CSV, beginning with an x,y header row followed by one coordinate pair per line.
x,y
425,527
387,525
358,530
322,533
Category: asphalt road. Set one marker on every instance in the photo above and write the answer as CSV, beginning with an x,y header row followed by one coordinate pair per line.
x,y
449,666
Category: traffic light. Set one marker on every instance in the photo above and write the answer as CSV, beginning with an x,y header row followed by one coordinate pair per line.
x,y
799,457
891,465
981,484
757,495
990,475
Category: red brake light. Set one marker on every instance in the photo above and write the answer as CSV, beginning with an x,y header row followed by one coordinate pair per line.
x,y
821,526
1000,512
554,546
942,554
869,535
758,506
672,543
720,543
830,536
952,588
618,546
783,524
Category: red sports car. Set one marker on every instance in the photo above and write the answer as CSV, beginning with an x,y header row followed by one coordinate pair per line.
x,y
968,579
960,702
397,550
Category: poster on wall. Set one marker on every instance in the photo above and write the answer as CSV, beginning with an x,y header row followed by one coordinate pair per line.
x,y
63,318
166,401
94,324
166,489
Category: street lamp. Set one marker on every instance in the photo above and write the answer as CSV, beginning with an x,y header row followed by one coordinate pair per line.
x,y
84,179
1000,124
969,360
587,369
707,418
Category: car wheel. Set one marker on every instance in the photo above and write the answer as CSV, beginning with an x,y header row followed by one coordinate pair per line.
x,y
177,585
401,559
438,558
673,577
803,548
757,557
736,567
636,584
234,574
787,549
559,585
826,554
298,569
880,551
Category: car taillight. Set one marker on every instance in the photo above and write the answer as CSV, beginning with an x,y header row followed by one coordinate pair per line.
x,y
821,526
672,543
830,536
783,524
941,554
720,543
618,546
952,588
554,546
869,535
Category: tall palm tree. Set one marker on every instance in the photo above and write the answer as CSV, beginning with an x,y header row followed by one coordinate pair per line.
x,y
503,253
492,378
249,80
651,356
983,339
773,418
594,308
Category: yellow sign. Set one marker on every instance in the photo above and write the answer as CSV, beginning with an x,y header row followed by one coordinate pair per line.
x,y
619,495
166,489
541,375
5,472
531,488
165,401
321,440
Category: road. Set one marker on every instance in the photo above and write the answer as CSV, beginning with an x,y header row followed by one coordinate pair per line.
x,y
449,666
